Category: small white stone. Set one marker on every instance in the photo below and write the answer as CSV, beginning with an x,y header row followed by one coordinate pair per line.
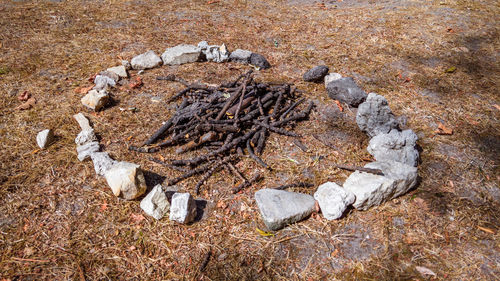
x,y
44,138
85,136
102,82
181,54
183,208
102,162
95,100
120,70
84,151
127,64
332,77
126,180
333,200
146,61
82,121
156,203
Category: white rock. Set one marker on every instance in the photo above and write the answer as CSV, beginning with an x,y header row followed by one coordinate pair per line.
x,y
155,203
395,146
214,53
279,208
183,208
126,180
96,100
44,138
102,162
372,190
146,61
82,121
127,64
85,136
181,54
84,151
333,200
241,56
332,77
120,70
103,82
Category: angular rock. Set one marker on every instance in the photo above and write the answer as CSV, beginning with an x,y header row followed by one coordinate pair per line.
x,y
395,146
181,54
259,61
333,200
214,53
82,121
84,151
96,100
127,64
241,56
126,180
332,77
156,203
103,82
120,70
146,61
183,208
316,74
279,208
44,138
346,90
375,117
372,190
85,136
102,162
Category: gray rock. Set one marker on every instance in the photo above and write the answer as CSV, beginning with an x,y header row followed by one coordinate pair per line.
x,y
96,100
279,208
102,162
183,208
155,203
241,56
181,54
214,53
316,74
146,61
372,190
84,151
332,77
346,90
395,146
44,138
103,82
126,180
375,117
120,70
85,136
127,64
83,122
259,61
333,200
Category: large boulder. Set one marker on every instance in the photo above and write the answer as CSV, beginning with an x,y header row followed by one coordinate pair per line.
x,y
375,117
346,90
372,190
395,146
280,208
181,54
183,208
316,74
146,61
126,180
156,203
333,200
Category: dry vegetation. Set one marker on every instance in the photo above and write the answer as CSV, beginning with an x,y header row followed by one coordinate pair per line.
x,y
59,221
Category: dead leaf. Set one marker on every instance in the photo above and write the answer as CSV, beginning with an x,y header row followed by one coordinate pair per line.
x,y
485,229
212,2
27,105
136,83
104,207
443,130
339,105
425,271
137,218
24,96
450,69
83,90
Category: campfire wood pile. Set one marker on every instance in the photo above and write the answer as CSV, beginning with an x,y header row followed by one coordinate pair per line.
x,y
226,120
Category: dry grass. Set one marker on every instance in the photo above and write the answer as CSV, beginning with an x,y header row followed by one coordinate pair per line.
x,y
59,221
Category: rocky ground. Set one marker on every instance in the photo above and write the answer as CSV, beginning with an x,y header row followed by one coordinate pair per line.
x,y
436,63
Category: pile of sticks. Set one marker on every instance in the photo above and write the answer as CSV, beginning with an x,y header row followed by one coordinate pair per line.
x,y
227,120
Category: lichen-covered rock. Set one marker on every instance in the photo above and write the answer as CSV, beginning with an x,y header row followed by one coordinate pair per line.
x,y
259,61
372,190
395,146
85,136
84,151
181,54
156,203
96,100
316,74
333,200
146,61
126,180
331,77
102,162
103,82
280,208
346,90
182,208
375,117
241,56
44,138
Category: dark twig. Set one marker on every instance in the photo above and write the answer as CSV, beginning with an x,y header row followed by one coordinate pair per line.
x,y
361,169
299,184
246,183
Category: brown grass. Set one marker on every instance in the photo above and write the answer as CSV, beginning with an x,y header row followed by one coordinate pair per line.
x,y
59,221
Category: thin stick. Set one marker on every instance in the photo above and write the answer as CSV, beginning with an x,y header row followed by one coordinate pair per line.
x,y
299,184
357,168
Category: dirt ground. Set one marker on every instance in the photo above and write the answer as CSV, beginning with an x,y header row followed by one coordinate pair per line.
x,y
59,221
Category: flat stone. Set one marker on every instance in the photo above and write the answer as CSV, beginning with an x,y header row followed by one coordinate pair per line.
x,y
183,208
44,138
375,117
146,61
120,70
214,53
280,208
84,151
96,100
331,77
102,162
83,122
103,82
156,203
181,54
333,200
126,180
316,74
85,136
240,56
259,61
395,146
346,90
372,190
